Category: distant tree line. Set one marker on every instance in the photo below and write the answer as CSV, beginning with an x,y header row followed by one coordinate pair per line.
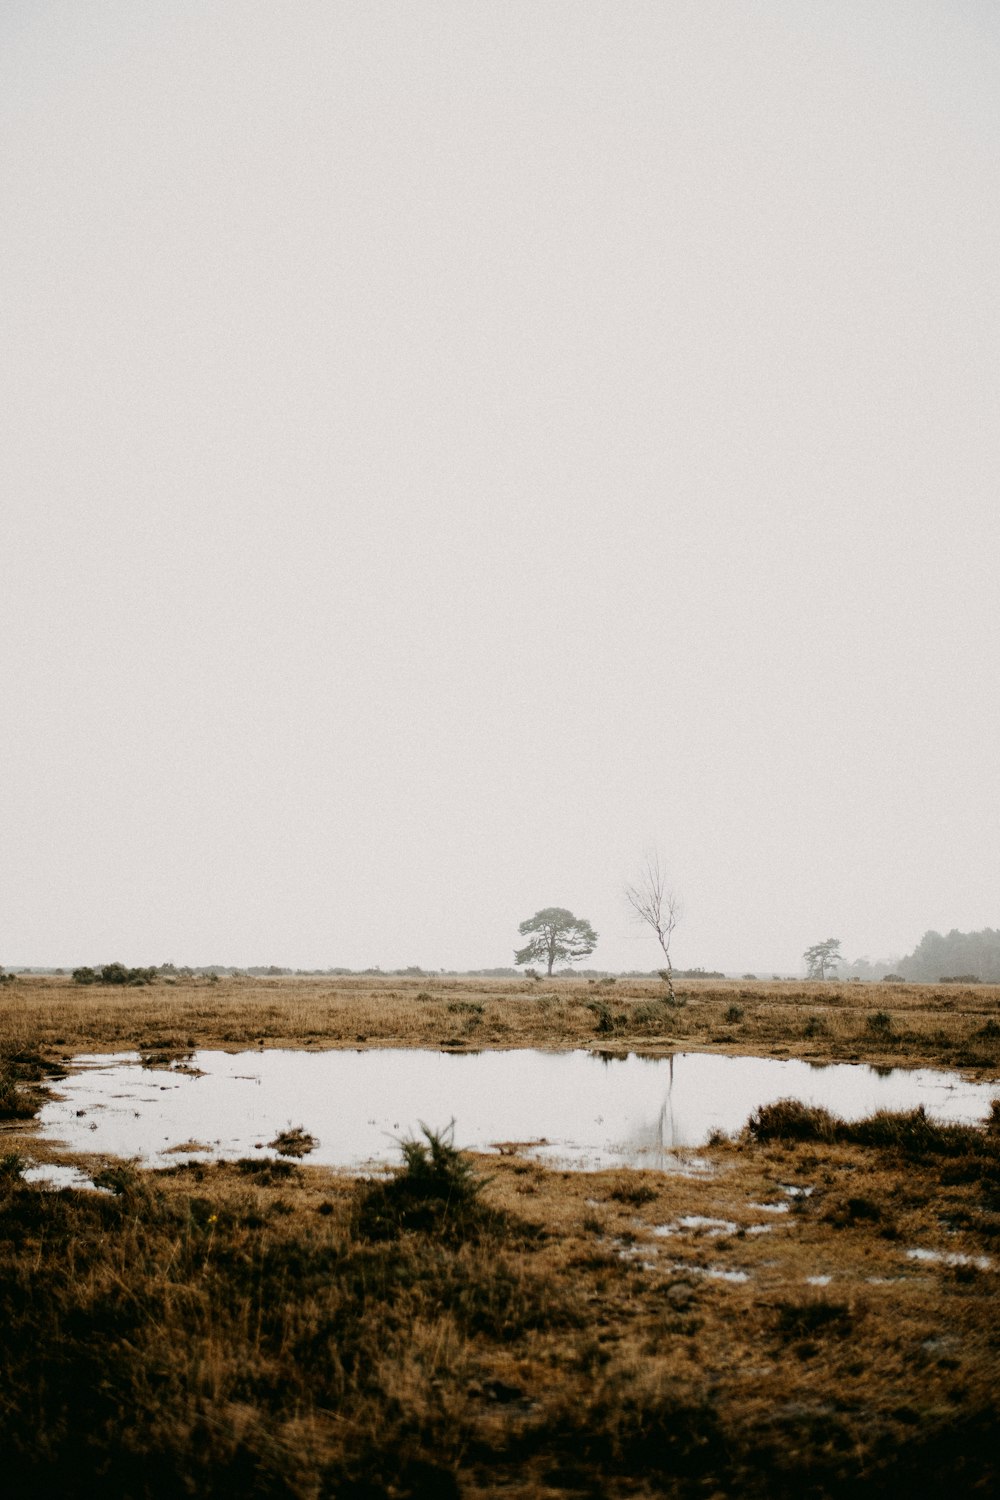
x,y
970,957
114,974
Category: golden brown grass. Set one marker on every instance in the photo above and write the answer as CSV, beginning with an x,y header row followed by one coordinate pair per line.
x,y
943,1025
269,1329
252,1329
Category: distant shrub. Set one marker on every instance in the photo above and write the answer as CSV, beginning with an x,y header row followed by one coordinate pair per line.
x,y
658,1012
749,976
734,1013
879,1023
605,1019
114,974
959,979
532,974
893,979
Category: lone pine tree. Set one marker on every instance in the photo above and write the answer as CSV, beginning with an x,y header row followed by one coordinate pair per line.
x,y
554,933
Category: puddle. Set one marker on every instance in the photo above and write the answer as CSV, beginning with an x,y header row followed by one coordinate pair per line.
x,y
708,1228
818,1280
50,1174
714,1273
635,1255
951,1258
770,1208
571,1109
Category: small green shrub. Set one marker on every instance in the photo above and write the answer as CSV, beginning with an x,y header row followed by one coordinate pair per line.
x,y
734,1013
436,1190
879,1023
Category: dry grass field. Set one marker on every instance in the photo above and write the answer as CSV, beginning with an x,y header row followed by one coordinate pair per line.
x,y
487,1327
951,1026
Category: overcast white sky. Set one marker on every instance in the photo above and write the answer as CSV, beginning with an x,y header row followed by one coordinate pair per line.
x,y
449,448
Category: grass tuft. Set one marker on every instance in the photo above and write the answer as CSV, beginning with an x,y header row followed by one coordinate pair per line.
x,y
791,1120
293,1141
436,1191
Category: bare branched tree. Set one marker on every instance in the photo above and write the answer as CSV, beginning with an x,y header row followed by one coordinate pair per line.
x,y
659,908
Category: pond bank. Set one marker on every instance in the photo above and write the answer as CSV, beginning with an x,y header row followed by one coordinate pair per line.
x,y
348,1110
949,1026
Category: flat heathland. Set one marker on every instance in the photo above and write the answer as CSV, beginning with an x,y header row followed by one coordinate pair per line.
x,y
954,1026
812,1313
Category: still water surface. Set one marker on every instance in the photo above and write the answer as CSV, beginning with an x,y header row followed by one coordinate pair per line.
x,y
579,1110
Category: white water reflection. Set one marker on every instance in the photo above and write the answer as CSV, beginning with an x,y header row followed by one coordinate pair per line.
x,y
50,1174
584,1111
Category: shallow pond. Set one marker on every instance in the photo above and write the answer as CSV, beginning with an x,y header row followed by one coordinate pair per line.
x,y
577,1109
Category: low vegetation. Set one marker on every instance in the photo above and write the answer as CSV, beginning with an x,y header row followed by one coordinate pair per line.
x,y
814,1314
269,1328
115,973
906,1025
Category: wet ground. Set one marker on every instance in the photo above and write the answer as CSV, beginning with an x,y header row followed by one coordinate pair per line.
x,y
567,1109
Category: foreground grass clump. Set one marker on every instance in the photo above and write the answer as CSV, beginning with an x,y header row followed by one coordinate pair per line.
x,y
266,1328
910,1131
19,1069
157,1342
437,1190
